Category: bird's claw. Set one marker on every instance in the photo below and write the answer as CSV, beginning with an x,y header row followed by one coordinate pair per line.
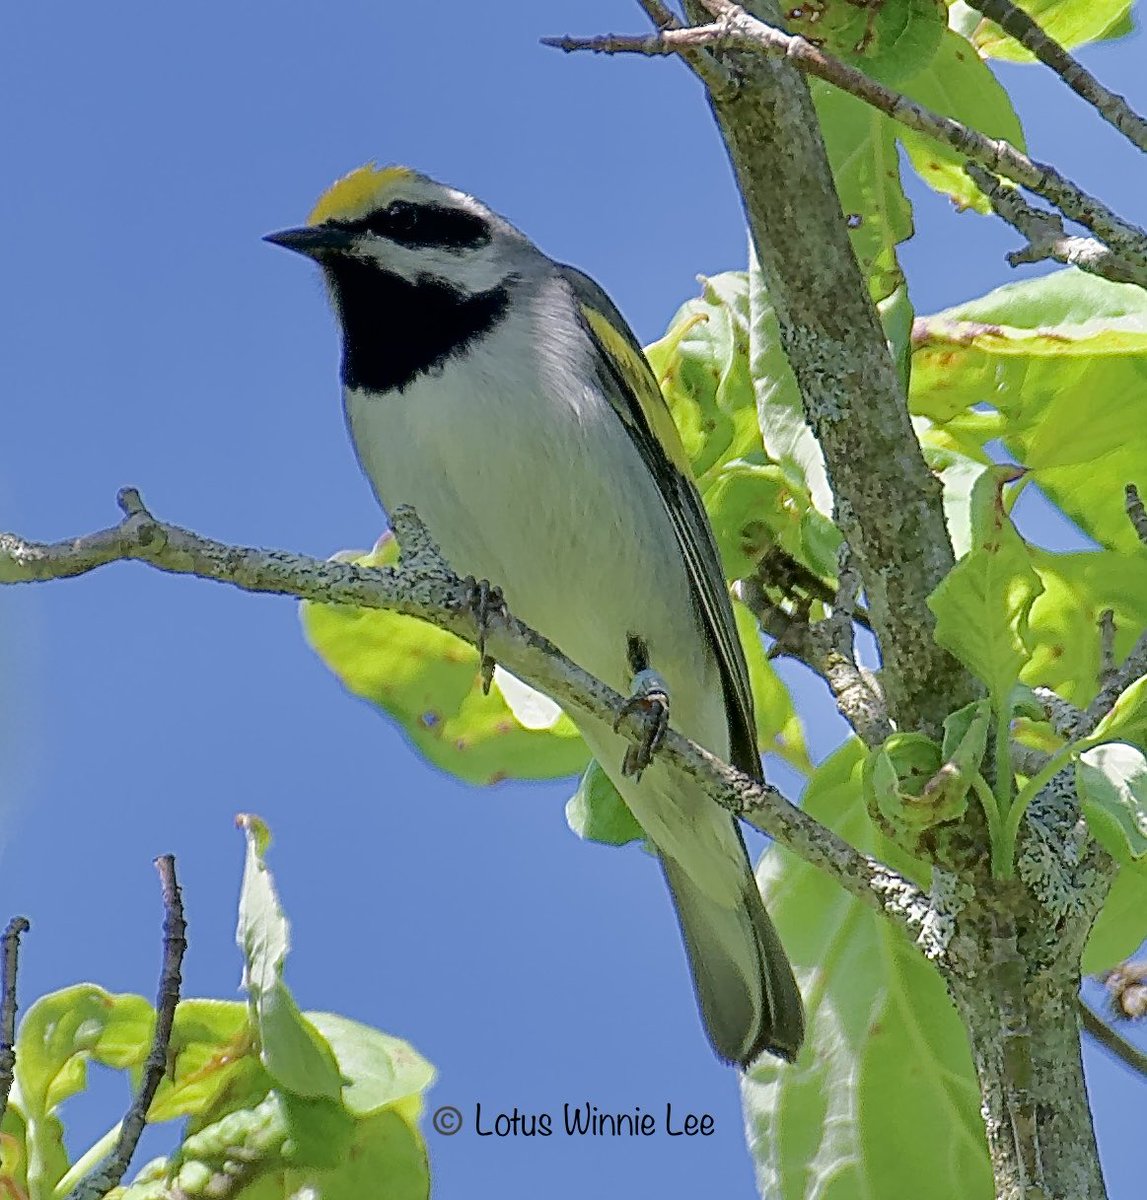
x,y
484,601
647,709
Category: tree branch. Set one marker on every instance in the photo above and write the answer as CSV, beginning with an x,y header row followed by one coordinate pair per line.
x,y
110,1172
888,503
737,29
10,954
1111,107
424,586
1114,1043
1136,513
1045,233
826,648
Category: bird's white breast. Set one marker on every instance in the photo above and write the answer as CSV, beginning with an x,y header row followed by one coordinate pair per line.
x,y
525,477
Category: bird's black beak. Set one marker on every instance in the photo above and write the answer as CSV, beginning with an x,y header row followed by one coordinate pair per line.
x,y
314,241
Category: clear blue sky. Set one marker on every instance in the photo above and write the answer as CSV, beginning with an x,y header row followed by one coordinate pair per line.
x,y
151,338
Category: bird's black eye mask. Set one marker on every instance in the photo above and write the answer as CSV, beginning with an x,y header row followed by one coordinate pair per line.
x,y
423,225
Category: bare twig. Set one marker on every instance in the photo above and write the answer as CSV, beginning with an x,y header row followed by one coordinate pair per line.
x,y
1136,513
1114,680
694,50
424,586
1133,667
1111,107
1107,664
1114,1043
109,1173
1045,233
827,648
736,29
10,951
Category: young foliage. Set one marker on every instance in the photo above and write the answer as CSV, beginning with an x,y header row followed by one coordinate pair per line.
x,y
275,1101
884,1099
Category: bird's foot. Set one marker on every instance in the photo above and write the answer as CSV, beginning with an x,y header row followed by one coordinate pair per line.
x,y
484,601
647,711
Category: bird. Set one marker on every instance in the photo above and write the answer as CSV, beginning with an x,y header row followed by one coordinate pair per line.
x,y
502,395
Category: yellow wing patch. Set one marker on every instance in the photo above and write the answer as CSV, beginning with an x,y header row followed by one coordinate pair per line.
x,y
635,370
356,194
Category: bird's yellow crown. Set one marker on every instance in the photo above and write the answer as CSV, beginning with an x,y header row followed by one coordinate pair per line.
x,y
356,194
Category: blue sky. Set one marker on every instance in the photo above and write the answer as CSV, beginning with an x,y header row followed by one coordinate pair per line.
x,y
151,338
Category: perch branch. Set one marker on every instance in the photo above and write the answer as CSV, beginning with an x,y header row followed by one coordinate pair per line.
x,y
424,586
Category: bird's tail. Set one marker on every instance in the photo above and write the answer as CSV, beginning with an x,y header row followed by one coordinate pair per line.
x,y
744,983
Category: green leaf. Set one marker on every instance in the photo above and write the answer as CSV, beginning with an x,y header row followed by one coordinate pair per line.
x,y
1121,926
966,736
909,788
785,434
1069,22
891,41
292,1050
959,84
245,1145
702,364
387,1159
214,1062
897,316
428,681
885,1052
983,605
63,1030
319,1130
959,467
1078,587
1112,784
865,161
1041,352
1127,720
779,729
379,1070
597,812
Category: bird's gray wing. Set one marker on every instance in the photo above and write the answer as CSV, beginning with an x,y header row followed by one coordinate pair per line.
x,y
629,383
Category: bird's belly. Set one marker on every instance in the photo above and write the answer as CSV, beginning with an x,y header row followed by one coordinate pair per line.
x,y
549,500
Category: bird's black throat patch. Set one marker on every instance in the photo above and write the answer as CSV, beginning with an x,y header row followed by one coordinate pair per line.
x,y
395,330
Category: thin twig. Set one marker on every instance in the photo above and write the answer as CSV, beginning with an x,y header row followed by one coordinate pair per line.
x,y
1045,232
1114,1043
424,586
827,648
1136,513
1133,667
736,29
1107,663
1110,106
714,74
110,1172
10,951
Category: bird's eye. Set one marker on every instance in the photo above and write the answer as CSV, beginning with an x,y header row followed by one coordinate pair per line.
x,y
400,217
417,225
